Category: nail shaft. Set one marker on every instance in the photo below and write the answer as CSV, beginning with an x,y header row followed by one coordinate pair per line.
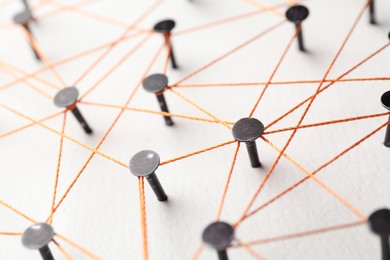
x,y
372,12
31,39
76,112
156,187
385,247
164,108
222,255
298,27
387,136
168,42
253,154
46,253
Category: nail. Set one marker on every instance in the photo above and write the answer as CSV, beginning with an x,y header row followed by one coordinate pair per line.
x,y
297,14
385,99
219,235
372,12
23,19
67,98
248,130
380,224
165,27
157,83
38,236
144,164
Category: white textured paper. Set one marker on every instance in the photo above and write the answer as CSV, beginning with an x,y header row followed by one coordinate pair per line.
x,y
101,212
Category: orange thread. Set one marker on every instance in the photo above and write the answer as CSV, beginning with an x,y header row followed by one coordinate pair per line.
x,y
128,29
98,61
119,63
154,59
313,173
77,9
168,44
196,153
61,62
329,85
200,108
242,45
17,211
303,115
78,247
57,169
250,250
10,233
225,190
142,204
153,112
275,70
327,123
264,7
29,125
62,250
256,84
224,21
43,57
306,233
38,90
197,253
325,187
62,9
47,83
65,136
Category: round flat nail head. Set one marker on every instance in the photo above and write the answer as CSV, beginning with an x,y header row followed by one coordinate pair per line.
x,y
385,99
23,17
37,236
164,26
66,97
297,13
155,83
247,129
380,222
144,163
218,235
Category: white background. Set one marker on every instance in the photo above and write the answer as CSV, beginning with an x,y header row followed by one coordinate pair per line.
x,y
101,212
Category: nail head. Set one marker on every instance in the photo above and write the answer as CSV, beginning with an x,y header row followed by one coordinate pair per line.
x,y
380,222
23,17
37,236
155,83
297,13
247,129
218,235
164,26
144,163
385,99
66,97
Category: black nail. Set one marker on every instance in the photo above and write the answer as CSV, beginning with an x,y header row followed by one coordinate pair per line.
x,y
297,14
372,12
385,99
219,235
67,98
23,19
144,164
248,130
38,236
157,83
380,224
165,27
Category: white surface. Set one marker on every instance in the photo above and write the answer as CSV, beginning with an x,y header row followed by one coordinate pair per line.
x,y
101,212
